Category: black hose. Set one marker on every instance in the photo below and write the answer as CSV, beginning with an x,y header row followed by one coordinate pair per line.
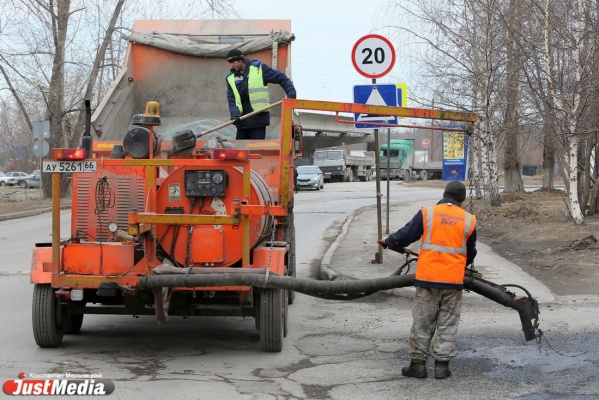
x,y
337,290
309,287
525,306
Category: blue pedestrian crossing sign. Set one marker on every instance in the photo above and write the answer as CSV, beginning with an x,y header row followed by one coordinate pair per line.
x,y
375,95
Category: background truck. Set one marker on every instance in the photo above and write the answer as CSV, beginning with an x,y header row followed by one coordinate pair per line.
x,y
338,164
407,163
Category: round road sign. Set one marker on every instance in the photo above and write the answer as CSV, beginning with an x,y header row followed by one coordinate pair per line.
x,y
425,143
41,148
373,56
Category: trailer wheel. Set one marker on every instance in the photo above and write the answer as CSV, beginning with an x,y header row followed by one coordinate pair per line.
x,y
46,329
72,323
285,313
272,324
290,260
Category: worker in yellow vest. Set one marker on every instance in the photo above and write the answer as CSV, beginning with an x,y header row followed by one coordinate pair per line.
x,y
247,91
447,235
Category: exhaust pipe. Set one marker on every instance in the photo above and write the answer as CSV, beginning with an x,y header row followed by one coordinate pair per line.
x,y
86,140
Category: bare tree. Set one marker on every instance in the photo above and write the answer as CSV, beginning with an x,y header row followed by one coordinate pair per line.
x,y
463,62
70,50
511,164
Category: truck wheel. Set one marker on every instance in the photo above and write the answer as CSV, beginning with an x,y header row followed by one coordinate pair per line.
x,y
285,313
407,175
2,183
290,238
72,323
424,175
369,175
46,329
257,309
271,320
350,175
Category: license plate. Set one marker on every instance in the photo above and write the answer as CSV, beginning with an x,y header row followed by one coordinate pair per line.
x,y
70,166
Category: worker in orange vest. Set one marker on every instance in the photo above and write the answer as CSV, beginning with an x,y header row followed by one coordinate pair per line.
x,y
447,235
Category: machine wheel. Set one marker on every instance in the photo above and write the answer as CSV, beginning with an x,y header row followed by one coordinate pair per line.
x,y
272,324
46,329
257,310
23,185
72,323
290,238
285,313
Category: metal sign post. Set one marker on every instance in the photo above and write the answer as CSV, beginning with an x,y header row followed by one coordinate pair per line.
x,y
373,56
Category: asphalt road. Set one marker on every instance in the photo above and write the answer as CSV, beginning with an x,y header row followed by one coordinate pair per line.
x,y
334,350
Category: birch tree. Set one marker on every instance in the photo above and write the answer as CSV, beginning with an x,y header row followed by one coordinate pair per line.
x,y
463,62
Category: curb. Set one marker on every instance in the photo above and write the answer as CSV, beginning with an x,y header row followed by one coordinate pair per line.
x,y
30,213
326,273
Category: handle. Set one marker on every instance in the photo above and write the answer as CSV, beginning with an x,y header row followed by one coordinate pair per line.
x,y
242,117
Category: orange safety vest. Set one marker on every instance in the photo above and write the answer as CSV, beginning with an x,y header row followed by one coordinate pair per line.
x,y
442,256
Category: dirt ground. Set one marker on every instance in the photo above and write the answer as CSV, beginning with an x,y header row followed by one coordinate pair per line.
x,y
531,229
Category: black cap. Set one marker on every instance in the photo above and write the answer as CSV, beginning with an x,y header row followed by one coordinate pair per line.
x,y
234,55
455,190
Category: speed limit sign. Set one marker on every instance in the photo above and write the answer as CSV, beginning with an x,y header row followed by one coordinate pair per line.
x,y
373,56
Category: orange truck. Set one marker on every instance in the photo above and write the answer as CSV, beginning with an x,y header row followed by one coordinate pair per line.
x,y
170,216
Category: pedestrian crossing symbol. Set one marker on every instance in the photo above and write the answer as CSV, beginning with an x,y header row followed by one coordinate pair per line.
x,y
376,95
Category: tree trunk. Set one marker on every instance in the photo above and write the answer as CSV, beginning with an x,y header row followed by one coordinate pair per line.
x,y
573,200
511,168
55,98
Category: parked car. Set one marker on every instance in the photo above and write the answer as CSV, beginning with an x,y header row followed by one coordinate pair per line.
x,y
17,176
310,177
30,182
6,180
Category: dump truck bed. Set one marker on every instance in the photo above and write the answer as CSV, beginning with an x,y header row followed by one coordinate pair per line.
x,y
183,65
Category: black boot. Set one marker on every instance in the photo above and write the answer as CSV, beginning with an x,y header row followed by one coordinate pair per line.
x,y
415,370
442,370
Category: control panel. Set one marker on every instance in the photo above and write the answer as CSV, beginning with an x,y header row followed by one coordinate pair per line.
x,y
204,183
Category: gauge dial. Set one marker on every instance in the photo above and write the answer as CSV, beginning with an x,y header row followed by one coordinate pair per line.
x,y
211,143
217,177
113,227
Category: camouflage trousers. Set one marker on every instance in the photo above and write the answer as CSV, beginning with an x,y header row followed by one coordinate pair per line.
x,y
436,315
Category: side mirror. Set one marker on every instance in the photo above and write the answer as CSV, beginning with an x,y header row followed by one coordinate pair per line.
x,y
298,141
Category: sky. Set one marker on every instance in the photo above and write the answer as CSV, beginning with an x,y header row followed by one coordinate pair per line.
x,y
325,34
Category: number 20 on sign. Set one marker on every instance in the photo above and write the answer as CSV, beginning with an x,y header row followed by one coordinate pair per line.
x,y
373,56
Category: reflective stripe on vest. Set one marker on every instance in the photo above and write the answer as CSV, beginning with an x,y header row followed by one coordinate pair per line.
x,y
258,92
442,257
